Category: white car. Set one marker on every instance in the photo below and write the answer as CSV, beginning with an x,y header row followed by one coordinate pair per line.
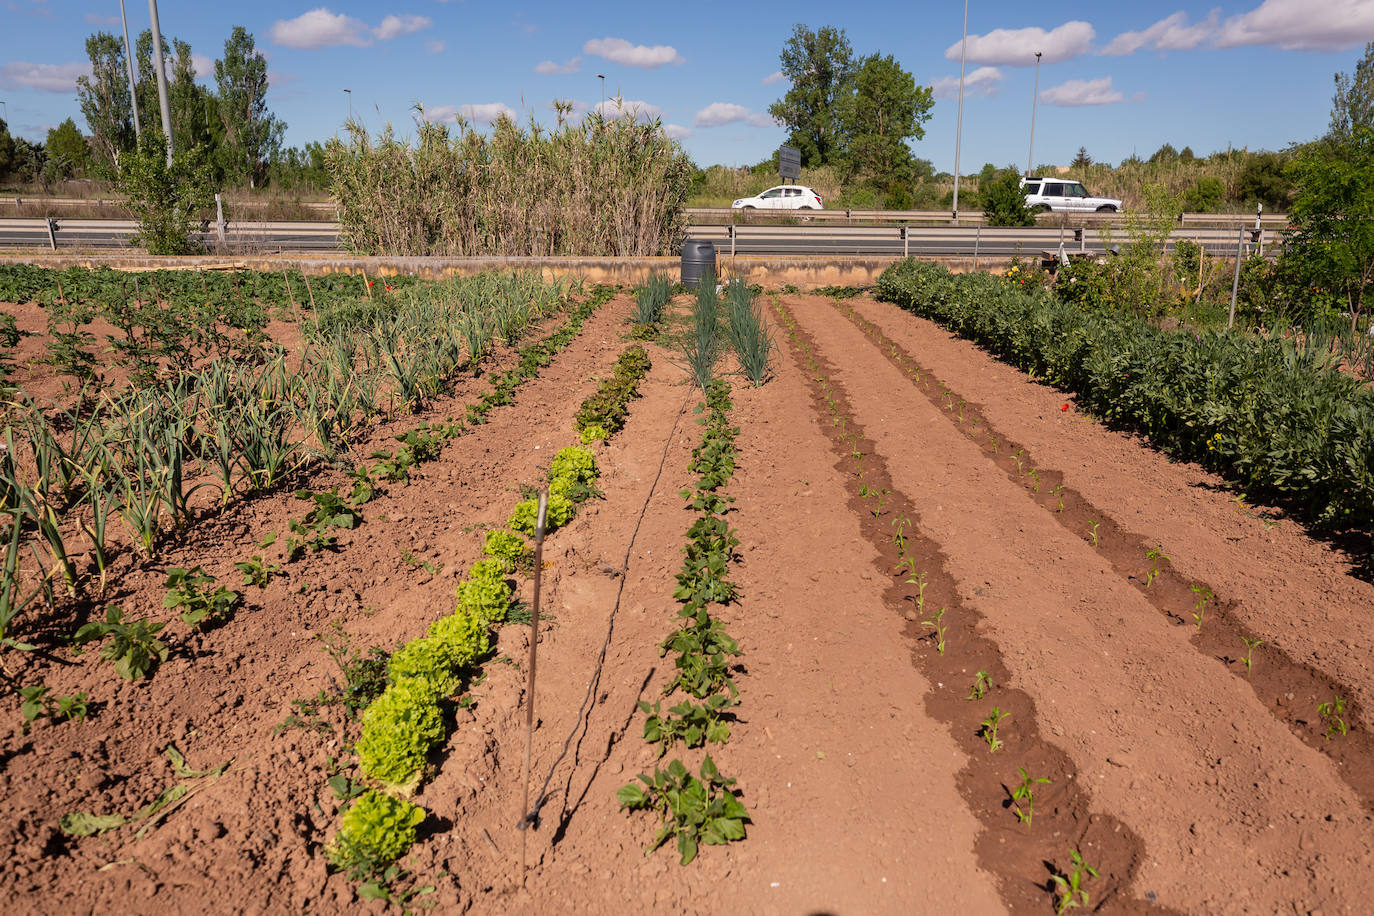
x,y
783,197
1064,194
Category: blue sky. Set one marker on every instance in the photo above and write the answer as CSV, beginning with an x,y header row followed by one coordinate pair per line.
x,y
1115,78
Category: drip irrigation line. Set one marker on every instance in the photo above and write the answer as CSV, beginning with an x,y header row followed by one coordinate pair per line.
x,y
532,816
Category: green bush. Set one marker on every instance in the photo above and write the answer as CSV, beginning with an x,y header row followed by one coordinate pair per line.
x,y
166,200
484,595
1004,201
376,831
1269,412
506,546
399,729
575,463
466,638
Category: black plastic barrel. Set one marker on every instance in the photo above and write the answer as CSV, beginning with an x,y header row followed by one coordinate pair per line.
x,y
698,260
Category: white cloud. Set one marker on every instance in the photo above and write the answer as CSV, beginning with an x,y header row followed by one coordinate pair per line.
x,y
1169,34
775,77
482,113
548,67
677,131
396,26
1017,47
982,81
1083,92
1328,25
718,113
434,47
203,65
620,51
319,28
42,77
618,107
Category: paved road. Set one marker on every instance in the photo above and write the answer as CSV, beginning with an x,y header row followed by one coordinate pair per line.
x,y
785,241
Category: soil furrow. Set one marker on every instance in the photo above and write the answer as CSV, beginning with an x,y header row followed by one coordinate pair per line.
x,y
993,717
1217,778
1289,690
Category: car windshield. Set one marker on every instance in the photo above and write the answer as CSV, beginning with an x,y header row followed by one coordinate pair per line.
x,y
1075,190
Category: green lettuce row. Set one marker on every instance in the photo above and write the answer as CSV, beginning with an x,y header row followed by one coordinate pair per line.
x,y
603,413
376,831
1271,413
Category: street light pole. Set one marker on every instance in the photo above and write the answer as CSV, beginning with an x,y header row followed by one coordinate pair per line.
x,y
959,129
1035,99
349,93
602,109
160,69
129,63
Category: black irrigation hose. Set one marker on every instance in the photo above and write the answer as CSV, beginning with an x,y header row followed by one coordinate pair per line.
x,y
532,816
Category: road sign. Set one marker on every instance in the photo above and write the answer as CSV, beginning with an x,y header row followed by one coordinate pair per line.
x,y
789,162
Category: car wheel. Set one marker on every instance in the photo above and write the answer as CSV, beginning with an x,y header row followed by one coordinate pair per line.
x,y
1041,208
1106,208
747,207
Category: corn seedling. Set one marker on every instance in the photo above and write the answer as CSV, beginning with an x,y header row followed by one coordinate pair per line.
x,y
919,580
1023,796
990,725
1092,532
1070,885
1332,714
1250,646
982,683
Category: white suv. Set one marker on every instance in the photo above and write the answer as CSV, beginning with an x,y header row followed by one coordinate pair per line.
x,y
783,197
1064,194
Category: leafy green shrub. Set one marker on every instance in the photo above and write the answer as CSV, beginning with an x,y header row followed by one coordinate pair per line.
x,y
430,662
1004,201
506,546
189,589
1205,196
165,200
594,432
466,638
608,407
526,514
399,729
1270,412
484,595
574,463
376,831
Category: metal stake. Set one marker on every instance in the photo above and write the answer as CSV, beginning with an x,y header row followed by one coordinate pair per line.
x,y
1235,280
529,688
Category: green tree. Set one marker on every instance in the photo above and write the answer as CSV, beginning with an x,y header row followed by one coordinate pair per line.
x,y
252,135
1332,241
1352,106
879,110
1004,201
165,200
6,149
68,153
1165,154
1264,178
105,102
1205,196
818,65
1082,160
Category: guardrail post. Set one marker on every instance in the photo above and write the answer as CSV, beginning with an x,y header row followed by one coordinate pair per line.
x,y
52,230
977,238
219,219
906,243
730,231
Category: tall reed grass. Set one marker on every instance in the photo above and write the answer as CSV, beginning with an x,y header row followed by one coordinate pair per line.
x,y
595,188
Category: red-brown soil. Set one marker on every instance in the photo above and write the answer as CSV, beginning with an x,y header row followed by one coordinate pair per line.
x,y
1191,785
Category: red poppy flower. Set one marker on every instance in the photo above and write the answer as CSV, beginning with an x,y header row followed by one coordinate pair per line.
x,y
369,282
1065,407
388,289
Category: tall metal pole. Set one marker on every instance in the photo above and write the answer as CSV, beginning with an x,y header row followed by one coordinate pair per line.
x,y
159,67
129,62
349,93
959,128
1035,99
602,109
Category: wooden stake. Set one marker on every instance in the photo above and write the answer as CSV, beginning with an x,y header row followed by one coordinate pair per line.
x,y
367,285
306,277
525,824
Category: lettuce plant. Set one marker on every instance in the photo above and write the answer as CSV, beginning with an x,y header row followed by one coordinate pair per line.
x,y
376,831
399,730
